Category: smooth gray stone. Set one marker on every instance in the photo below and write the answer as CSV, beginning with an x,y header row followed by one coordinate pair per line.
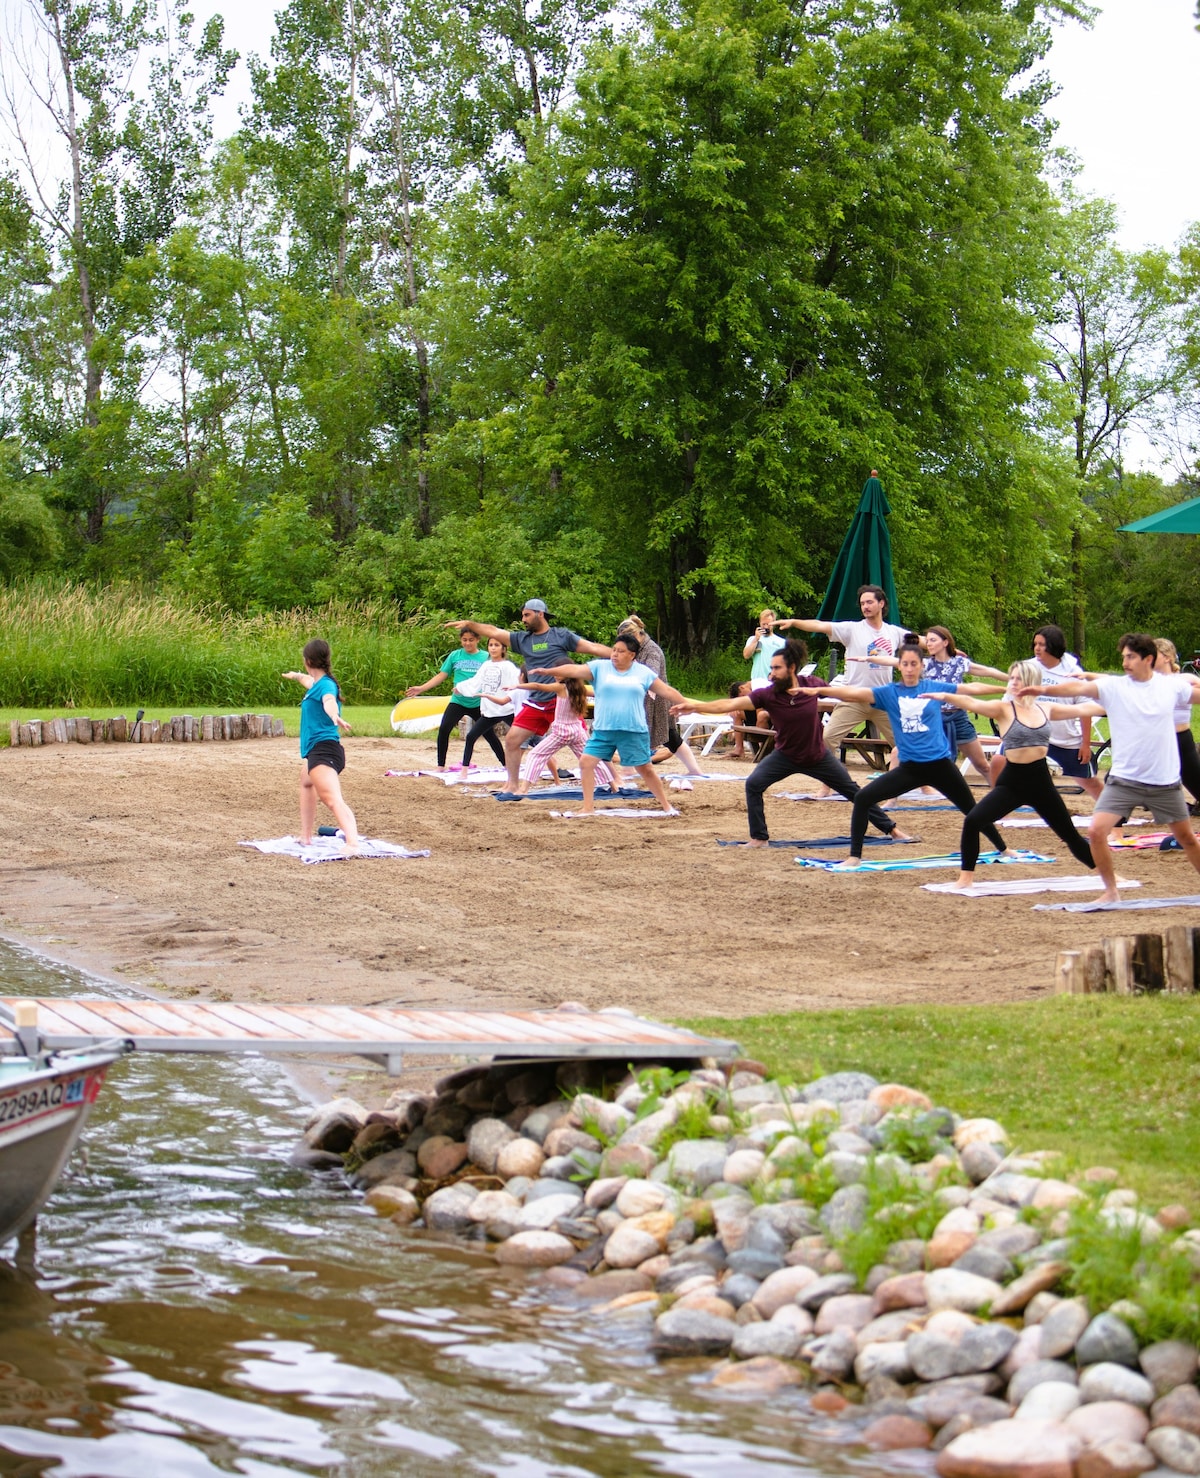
x,y
833,1355
1062,1327
518,1186
845,1169
985,1347
673,1277
697,1162
980,1160
1011,1188
907,1256
1034,1374
839,1087
1111,1382
761,1236
933,1357
1059,1250
942,1403
791,1219
757,1264
391,1165
707,1250
682,1332
988,1383
1011,1242
575,1228
771,1337
848,1142
888,1359
305,1158
1169,1363
830,1286
845,1211
540,1189
739,1288
1176,1448
446,1210
1107,1338
984,1262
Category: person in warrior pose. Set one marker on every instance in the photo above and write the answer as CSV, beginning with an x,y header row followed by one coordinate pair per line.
x,y
790,702
1025,780
321,752
1145,755
926,752
539,645
619,721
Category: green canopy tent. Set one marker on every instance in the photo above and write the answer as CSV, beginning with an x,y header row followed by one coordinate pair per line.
x,y
1183,518
865,558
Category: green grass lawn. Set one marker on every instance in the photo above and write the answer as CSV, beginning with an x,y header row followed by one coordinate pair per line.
x,y
372,721
1105,1080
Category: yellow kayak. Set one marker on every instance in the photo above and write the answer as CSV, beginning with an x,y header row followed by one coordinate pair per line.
x,y
417,715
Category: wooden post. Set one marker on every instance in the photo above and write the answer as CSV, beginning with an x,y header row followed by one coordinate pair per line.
x,y
277,731
14,732
1147,962
1068,974
83,731
1179,963
206,727
1095,969
36,733
226,726
72,728
1118,959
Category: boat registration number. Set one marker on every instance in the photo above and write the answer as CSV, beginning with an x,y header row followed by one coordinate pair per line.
x,y
33,1101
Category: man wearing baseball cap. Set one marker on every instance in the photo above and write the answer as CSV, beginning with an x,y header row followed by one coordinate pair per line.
x,y
539,645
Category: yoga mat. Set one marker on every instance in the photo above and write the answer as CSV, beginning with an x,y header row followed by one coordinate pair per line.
x,y
621,812
824,842
1192,900
1080,883
575,793
455,775
1151,841
916,864
329,849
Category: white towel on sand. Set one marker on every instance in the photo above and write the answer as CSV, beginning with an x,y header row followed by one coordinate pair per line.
x,y
329,849
1078,883
621,812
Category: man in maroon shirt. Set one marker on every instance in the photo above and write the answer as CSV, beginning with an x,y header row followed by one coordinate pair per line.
x,y
799,741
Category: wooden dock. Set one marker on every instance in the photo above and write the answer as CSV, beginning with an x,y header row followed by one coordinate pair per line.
x,y
383,1034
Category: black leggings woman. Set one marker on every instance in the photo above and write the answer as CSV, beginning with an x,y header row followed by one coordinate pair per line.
x,y
460,666
1025,780
926,752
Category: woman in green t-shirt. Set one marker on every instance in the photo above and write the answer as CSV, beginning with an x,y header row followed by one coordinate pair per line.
x,y
459,666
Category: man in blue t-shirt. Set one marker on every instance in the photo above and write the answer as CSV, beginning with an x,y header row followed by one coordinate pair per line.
x,y
538,644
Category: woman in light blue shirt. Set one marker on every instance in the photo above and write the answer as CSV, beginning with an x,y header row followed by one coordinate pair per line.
x,y
619,725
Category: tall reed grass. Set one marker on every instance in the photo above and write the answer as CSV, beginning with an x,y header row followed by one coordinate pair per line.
x,y
77,645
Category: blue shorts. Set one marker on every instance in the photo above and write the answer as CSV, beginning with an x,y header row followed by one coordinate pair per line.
x,y
1069,763
633,745
959,728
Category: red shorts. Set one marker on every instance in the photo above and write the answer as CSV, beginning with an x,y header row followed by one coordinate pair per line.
x,y
535,717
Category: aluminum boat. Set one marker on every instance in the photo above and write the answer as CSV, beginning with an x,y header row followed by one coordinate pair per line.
x,y
45,1100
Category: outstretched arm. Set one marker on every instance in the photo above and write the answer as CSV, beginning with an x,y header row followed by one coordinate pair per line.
x,y
539,687
480,629
966,700
980,689
592,648
977,669
1073,688
435,681
663,689
329,704
714,705
302,678
881,661
847,695
825,627
568,669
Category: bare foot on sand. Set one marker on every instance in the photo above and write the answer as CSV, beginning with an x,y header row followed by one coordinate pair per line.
x,y
851,864
904,836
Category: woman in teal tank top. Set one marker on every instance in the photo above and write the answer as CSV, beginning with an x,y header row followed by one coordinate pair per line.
x,y
321,753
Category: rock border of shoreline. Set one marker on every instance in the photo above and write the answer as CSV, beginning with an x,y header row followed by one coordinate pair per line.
x,y
672,1201
183,729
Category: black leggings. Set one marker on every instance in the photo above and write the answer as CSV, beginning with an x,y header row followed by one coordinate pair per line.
x,y
454,711
483,728
1023,785
1189,762
943,775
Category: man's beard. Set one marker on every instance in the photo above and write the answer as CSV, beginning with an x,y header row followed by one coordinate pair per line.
x,y
782,684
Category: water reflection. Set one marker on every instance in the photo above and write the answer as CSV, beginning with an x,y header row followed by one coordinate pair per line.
x,y
199,1306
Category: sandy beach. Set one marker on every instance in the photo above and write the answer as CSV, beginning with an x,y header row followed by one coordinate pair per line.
x,y
124,859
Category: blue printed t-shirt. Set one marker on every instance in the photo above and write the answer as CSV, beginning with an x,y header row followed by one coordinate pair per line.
x,y
948,670
549,648
916,718
462,665
315,724
620,696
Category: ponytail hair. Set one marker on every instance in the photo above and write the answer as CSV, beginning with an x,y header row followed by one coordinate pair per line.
x,y
317,654
577,693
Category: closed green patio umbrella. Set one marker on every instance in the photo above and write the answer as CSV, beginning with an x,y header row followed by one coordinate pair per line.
x,y
1183,518
865,558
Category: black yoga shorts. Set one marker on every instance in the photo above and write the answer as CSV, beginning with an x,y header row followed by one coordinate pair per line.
x,y
327,752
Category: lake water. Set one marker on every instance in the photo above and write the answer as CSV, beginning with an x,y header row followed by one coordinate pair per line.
x,y
198,1306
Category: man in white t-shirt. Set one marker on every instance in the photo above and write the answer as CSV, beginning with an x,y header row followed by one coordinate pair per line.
x,y
870,636
1145,755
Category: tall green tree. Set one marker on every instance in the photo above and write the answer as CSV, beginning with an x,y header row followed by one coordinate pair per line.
x,y
767,250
